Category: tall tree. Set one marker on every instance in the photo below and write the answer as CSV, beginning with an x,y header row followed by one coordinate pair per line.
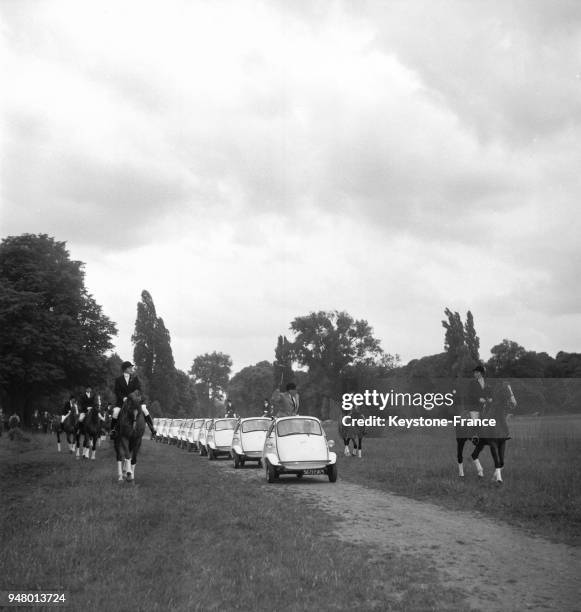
x,y
53,334
153,355
212,370
472,340
249,387
460,343
331,341
144,336
282,368
328,344
163,377
505,357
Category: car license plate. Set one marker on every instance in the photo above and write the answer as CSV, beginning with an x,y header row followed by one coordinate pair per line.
x,y
314,472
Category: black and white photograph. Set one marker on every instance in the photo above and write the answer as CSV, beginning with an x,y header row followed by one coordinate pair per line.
x,y
290,305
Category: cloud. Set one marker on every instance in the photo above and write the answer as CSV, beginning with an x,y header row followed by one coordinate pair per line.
x,y
247,162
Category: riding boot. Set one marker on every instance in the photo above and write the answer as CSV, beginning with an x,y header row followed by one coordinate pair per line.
x,y
150,424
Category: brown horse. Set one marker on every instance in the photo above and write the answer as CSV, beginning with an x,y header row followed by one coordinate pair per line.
x,y
352,432
67,427
92,430
131,429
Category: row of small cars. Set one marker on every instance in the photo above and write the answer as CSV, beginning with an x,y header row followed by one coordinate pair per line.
x,y
287,445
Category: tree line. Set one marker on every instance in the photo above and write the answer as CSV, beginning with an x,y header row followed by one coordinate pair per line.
x,y
55,339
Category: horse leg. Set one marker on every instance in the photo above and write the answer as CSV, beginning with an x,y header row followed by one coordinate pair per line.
x,y
88,443
475,454
119,457
94,447
77,435
346,443
460,442
495,457
501,444
126,452
58,441
135,446
359,445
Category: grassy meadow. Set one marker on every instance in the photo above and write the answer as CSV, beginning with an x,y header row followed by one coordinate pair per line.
x,y
189,535
542,474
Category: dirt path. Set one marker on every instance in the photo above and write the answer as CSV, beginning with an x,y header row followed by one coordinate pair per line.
x,y
501,567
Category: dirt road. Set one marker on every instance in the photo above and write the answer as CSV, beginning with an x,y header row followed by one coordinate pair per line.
x,y
499,566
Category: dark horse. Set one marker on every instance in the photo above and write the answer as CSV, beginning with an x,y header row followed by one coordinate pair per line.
x,y
131,429
92,430
353,433
68,427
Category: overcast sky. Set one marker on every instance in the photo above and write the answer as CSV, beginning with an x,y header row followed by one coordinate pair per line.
x,y
249,162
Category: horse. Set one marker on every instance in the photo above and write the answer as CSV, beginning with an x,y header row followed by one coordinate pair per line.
x,y
493,436
68,427
92,430
131,429
350,433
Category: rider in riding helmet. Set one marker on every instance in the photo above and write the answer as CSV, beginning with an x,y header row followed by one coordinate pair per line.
x,y
126,384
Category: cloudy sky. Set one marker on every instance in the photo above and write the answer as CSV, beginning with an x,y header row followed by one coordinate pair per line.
x,y
248,162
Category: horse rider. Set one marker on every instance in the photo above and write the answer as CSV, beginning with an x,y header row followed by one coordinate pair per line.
x,y
86,403
229,410
126,384
495,436
480,399
290,401
70,406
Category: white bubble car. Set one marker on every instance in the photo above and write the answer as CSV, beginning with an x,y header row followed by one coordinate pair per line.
x,y
203,435
248,440
298,445
219,437
194,434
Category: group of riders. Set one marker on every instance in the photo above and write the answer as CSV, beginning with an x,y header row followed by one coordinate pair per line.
x,y
86,417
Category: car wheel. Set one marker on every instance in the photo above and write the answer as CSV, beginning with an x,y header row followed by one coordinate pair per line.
x,y
242,462
211,455
332,472
259,463
203,451
236,461
300,475
270,472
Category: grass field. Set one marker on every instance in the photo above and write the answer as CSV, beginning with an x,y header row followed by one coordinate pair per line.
x,y
187,536
542,477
